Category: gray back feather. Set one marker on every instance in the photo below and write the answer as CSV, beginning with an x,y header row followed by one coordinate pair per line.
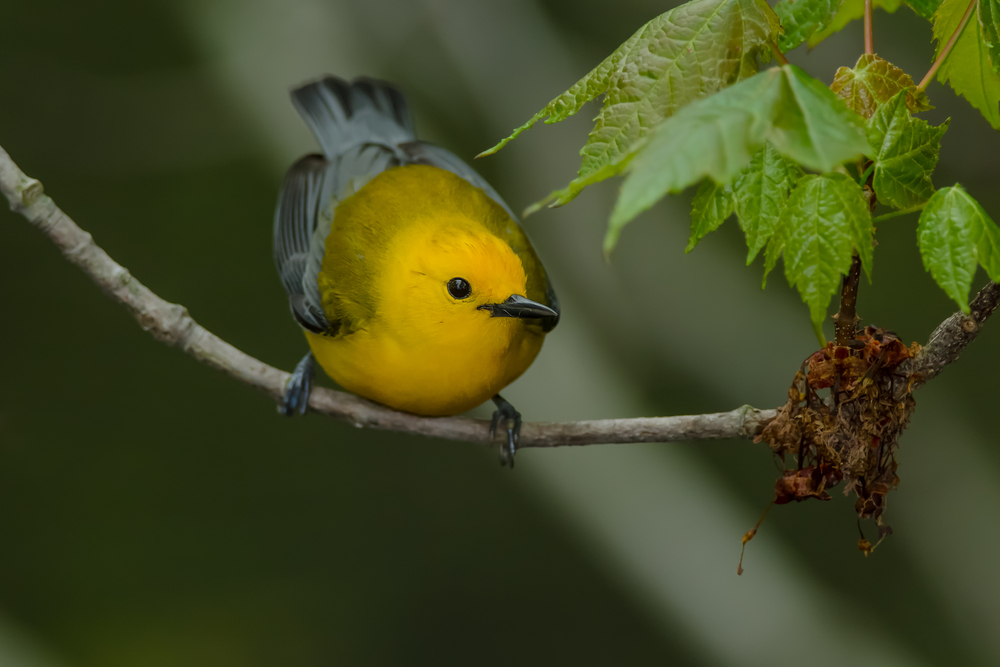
x,y
364,128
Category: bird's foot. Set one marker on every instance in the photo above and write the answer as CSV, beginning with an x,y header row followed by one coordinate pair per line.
x,y
511,418
298,387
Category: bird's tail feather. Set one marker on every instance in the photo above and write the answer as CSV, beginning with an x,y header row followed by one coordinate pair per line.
x,y
346,115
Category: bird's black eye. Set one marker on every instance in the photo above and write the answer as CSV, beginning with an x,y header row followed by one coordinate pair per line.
x,y
459,288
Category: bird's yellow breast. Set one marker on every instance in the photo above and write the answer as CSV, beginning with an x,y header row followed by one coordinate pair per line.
x,y
436,376
403,340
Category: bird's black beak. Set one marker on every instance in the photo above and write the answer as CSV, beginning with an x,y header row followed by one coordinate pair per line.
x,y
519,306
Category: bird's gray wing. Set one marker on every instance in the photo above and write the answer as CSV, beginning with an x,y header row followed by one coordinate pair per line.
x,y
304,195
364,128
358,125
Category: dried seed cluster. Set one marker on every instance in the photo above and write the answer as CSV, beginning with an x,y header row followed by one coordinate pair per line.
x,y
846,409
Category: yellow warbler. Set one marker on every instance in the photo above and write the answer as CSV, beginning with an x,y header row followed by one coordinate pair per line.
x,y
415,285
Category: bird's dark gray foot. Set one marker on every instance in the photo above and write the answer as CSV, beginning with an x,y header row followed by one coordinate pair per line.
x,y
511,418
296,398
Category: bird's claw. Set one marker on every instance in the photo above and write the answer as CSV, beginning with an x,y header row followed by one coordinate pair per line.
x,y
297,389
506,413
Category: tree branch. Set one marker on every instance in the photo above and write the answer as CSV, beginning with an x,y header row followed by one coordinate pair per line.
x,y
845,322
171,324
953,335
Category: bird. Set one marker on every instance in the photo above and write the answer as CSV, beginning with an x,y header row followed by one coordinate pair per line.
x,y
413,281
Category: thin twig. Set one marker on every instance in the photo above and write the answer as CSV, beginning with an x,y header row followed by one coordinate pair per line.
x,y
947,47
869,37
779,56
953,335
845,322
170,323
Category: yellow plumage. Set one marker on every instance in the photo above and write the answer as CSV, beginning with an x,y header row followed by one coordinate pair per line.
x,y
405,341
414,284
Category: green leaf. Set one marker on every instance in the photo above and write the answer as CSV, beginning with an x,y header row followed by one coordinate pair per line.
x,y
688,53
906,152
814,127
988,246
692,51
802,18
954,233
872,83
589,87
967,68
825,222
761,192
989,22
924,8
712,204
718,135
851,10
775,247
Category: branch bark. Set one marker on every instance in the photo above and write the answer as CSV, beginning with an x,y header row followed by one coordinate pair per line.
x,y
845,322
953,335
171,324
845,325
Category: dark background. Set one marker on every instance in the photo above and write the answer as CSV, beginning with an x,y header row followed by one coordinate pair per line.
x,y
154,512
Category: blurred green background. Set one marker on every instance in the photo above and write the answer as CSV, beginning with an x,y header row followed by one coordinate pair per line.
x,y
154,512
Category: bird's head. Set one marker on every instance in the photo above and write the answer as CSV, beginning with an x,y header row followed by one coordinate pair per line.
x,y
456,272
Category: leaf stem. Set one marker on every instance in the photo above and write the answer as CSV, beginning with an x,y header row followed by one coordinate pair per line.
x,y
896,214
779,56
869,37
947,47
866,174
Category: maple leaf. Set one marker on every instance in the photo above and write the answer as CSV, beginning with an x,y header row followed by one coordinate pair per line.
x,y
967,68
954,234
873,82
906,152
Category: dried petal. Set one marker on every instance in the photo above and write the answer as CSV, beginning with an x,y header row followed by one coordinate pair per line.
x,y
810,482
865,547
